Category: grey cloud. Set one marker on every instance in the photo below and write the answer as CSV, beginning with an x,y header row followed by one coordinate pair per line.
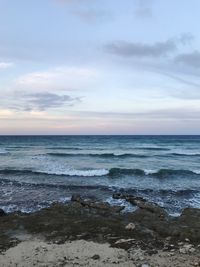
x,y
189,59
128,49
186,38
144,9
91,15
43,101
165,114
144,50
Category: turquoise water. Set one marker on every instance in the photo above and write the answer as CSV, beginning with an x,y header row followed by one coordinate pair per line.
x,y
38,170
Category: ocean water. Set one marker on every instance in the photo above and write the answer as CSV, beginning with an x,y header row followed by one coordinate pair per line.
x,y
36,171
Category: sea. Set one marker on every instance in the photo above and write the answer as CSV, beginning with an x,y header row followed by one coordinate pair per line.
x,y
36,171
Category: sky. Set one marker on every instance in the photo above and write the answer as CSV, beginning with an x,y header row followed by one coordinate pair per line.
x,y
99,67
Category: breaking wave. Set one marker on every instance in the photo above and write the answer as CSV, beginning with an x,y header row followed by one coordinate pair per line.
x,y
113,172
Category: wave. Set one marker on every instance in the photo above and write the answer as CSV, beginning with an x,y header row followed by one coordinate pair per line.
x,y
53,185
113,172
70,172
113,189
102,155
64,148
153,148
185,154
120,171
158,192
3,152
162,173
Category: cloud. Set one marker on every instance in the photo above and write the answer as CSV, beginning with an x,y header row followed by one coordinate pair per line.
x,y
60,78
144,9
144,50
189,59
139,50
42,101
91,15
181,113
6,65
86,11
186,38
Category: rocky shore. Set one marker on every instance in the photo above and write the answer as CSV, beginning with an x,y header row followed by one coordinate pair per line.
x,y
146,236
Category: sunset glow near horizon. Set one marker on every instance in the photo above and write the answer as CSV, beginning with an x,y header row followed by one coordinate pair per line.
x,y
99,67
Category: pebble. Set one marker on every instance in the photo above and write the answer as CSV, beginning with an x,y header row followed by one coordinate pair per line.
x,y
187,248
130,226
95,257
192,250
124,241
182,251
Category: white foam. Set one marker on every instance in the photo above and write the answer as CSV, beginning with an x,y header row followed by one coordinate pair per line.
x,y
186,153
196,171
3,151
121,202
74,172
150,171
64,199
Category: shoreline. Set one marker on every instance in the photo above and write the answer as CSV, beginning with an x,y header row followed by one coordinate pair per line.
x,y
148,229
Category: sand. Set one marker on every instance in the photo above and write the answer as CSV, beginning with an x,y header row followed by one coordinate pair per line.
x,y
84,253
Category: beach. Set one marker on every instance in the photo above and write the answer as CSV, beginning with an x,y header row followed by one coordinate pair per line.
x,y
89,233
83,253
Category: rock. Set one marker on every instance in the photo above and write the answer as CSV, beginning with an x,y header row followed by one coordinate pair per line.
x,y
152,207
141,203
182,251
130,226
76,198
130,198
2,213
120,241
187,240
145,265
104,206
192,250
95,257
187,248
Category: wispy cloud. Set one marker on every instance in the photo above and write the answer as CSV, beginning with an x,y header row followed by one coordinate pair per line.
x,y
189,59
156,114
129,49
41,101
144,50
92,15
59,78
6,65
144,9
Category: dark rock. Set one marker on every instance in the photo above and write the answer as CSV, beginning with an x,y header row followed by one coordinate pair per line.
x,y
76,198
152,207
2,213
104,206
141,203
129,198
95,257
